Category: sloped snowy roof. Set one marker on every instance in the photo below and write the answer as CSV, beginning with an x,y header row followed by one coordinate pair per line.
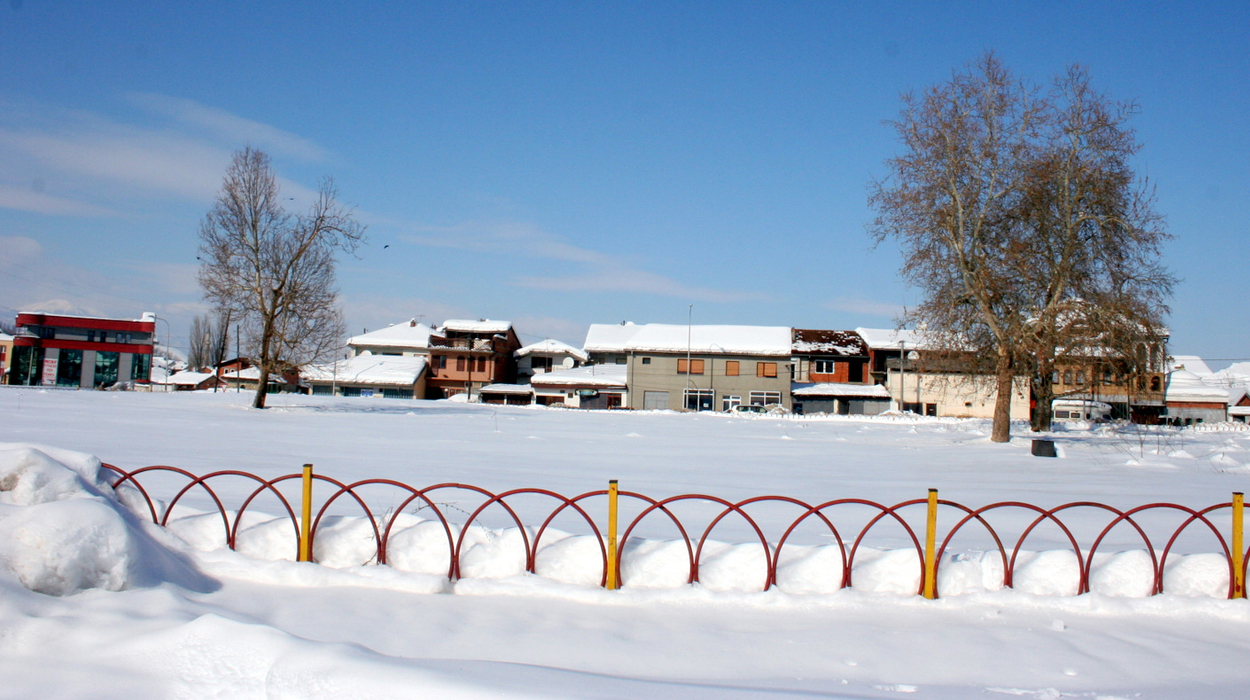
x,y
484,325
187,378
1192,363
367,368
507,389
875,391
1184,385
609,337
593,375
1235,374
889,338
411,334
662,337
552,346
819,342
5,337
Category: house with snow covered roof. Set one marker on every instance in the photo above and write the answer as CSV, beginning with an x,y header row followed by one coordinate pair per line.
x,y
409,339
369,376
897,361
1190,400
590,387
545,356
702,368
831,374
6,356
466,355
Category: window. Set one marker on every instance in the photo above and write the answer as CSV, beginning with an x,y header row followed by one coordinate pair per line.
x,y
729,403
622,360
1154,383
540,364
696,367
823,366
481,364
731,370
1054,377
765,369
765,398
699,399
440,361
90,336
460,364
140,367
646,360
106,368
69,368
1080,377
1067,376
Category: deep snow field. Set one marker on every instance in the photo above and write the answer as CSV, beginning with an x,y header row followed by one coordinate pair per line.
x,y
96,602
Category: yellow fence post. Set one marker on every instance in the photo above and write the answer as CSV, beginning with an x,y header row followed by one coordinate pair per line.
x,y
613,584
930,541
1239,552
305,525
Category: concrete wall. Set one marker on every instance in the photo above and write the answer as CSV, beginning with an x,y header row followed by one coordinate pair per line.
x,y
955,395
660,374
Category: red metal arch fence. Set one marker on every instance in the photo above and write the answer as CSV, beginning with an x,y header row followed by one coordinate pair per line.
x,y
929,550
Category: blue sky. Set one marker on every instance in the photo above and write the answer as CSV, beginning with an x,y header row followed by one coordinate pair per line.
x,y
560,164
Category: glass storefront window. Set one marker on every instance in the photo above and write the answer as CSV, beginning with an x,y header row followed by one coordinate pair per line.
x,y
27,365
140,367
106,368
69,368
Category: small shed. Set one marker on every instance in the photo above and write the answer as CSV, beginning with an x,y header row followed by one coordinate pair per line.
x,y
841,399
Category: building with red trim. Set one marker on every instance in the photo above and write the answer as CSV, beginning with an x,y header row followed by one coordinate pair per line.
x,y
81,351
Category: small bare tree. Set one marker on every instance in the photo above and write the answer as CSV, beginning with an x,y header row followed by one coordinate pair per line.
x,y
273,271
200,339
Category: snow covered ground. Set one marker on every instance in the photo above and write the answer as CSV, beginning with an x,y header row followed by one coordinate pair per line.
x,y
129,610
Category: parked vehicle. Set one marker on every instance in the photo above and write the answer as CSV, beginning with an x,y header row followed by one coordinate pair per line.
x,y
1079,409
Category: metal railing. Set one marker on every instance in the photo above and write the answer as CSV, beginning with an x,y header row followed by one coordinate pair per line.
x,y
929,544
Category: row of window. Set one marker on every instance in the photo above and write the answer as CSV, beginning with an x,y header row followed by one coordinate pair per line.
x,y
1078,378
732,367
463,364
702,399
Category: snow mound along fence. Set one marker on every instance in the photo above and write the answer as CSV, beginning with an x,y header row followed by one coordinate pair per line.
x,y
421,525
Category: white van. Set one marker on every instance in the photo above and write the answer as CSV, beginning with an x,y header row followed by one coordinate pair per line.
x,y
1077,409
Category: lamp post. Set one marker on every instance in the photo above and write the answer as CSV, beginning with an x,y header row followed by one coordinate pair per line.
x,y
689,381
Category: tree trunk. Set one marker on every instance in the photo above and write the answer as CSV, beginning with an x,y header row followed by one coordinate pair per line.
x,y
261,387
1043,394
1002,402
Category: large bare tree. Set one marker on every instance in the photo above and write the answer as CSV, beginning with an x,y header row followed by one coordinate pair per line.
x,y
274,271
1022,223
949,201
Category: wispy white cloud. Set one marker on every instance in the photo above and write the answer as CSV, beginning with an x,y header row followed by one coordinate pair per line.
x,y
512,237
864,306
622,279
605,273
31,200
95,160
229,127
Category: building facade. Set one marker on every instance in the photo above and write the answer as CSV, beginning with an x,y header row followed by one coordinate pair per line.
x,y
697,368
82,351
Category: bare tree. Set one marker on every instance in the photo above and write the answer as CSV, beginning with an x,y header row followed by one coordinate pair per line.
x,y
949,200
274,271
1022,223
219,348
200,340
1091,243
